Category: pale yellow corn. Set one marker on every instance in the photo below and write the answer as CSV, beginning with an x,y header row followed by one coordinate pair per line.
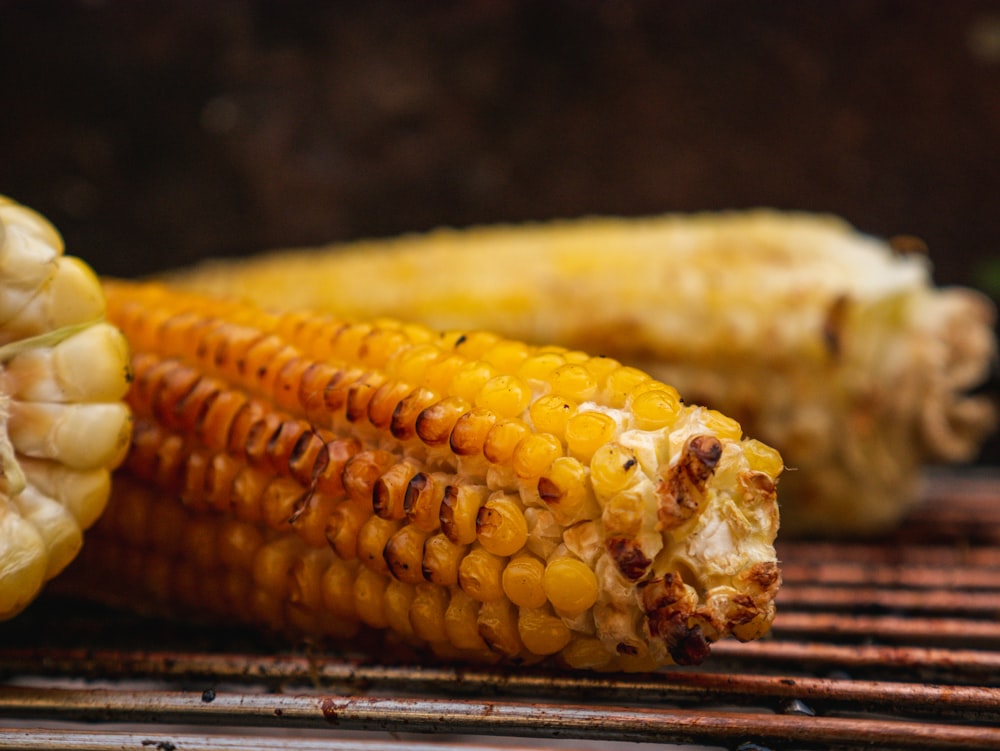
x,y
63,425
336,478
821,341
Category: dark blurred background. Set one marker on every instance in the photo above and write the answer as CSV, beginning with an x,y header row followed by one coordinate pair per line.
x,y
154,134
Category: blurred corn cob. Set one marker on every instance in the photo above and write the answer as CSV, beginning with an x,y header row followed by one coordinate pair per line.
x,y
485,499
823,342
63,425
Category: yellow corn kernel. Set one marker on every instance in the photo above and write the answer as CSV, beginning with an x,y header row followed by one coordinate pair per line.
x,y
337,588
722,426
399,598
500,526
534,454
461,621
470,379
570,585
612,468
427,613
588,431
369,598
502,439
479,574
550,413
656,408
504,395
573,381
522,581
621,383
541,632
762,458
539,366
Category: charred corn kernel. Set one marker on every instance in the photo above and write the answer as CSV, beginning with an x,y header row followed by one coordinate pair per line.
x,y
550,413
459,511
542,632
373,536
404,554
565,491
588,431
497,625
441,559
500,526
422,502
480,573
522,581
334,492
570,585
63,424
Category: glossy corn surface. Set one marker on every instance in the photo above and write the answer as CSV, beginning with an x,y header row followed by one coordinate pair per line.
x,y
63,425
821,341
457,492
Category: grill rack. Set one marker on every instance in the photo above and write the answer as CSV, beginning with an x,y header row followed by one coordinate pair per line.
x,y
891,644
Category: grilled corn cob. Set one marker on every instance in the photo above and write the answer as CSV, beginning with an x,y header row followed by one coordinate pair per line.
x,y
461,492
63,425
823,342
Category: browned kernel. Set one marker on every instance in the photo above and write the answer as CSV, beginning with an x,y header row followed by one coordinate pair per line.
x,y
390,489
404,553
459,510
422,501
469,434
440,561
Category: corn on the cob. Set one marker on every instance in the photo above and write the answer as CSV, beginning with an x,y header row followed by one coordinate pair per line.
x,y
63,424
318,476
821,341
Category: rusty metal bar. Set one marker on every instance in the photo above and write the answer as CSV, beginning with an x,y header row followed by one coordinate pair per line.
x,y
975,703
858,598
960,632
955,577
476,717
49,739
926,663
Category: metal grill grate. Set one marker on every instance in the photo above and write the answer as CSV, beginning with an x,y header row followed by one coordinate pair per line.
x,y
888,644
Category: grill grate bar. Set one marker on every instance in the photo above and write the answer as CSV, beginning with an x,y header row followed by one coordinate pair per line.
x,y
953,577
960,666
47,739
857,598
485,717
972,703
891,629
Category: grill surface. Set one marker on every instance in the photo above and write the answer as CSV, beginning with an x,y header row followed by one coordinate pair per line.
x,y
887,644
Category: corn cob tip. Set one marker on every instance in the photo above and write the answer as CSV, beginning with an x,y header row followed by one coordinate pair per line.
x,y
63,424
486,499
